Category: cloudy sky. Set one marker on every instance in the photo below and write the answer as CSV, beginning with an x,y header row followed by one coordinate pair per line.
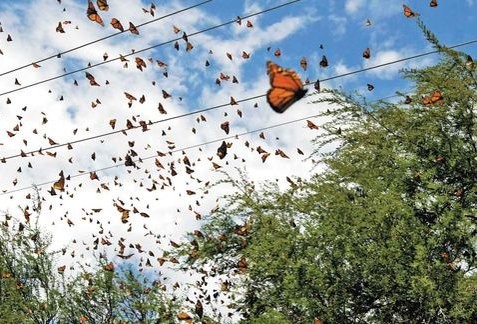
x,y
164,205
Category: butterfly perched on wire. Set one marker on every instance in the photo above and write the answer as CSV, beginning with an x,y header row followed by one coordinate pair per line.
x,y
287,87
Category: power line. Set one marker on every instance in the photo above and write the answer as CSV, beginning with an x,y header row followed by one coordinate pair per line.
x,y
147,48
172,151
4,159
126,129
182,149
399,61
186,148
103,38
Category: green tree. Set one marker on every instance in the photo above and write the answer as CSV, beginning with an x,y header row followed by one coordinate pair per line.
x,y
116,297
28,291
387,233
34,290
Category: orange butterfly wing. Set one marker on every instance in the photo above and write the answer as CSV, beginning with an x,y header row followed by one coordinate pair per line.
x,y
427,100
409,13
436,96
280,99
93,14
102,4
287,88
117,24
133,29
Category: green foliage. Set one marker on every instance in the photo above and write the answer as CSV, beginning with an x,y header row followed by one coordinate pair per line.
x,y
27,290
33,290
116,297
387,233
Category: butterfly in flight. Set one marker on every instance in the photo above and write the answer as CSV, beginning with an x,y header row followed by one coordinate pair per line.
x,y
409,13
102,5
287,87
324,62
93,14
367,53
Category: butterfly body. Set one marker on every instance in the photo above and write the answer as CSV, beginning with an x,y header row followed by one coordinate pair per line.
x,y
287,87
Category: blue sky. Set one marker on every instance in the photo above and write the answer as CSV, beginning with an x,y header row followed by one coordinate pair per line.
x,y
298,30
338,25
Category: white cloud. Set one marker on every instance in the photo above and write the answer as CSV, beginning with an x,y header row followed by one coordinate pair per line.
x,y
338,25
35,37
351,6
389,72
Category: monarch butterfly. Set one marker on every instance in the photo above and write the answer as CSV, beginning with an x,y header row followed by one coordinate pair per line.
x,y
60,184
311,125
93,14
367,53
133,29
324,62
117,24
222,150
129,96
287,87
102,4
430,100
304,63
225,126
60,29
317,85
224,76
469,61
91,79
409,13
140,63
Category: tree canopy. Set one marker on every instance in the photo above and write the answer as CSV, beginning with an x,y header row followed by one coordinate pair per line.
x,y
34,290
386,233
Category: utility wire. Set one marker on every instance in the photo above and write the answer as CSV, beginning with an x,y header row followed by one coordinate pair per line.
x,y
148,48
172,151
398,61
103,38
186,148
4,159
